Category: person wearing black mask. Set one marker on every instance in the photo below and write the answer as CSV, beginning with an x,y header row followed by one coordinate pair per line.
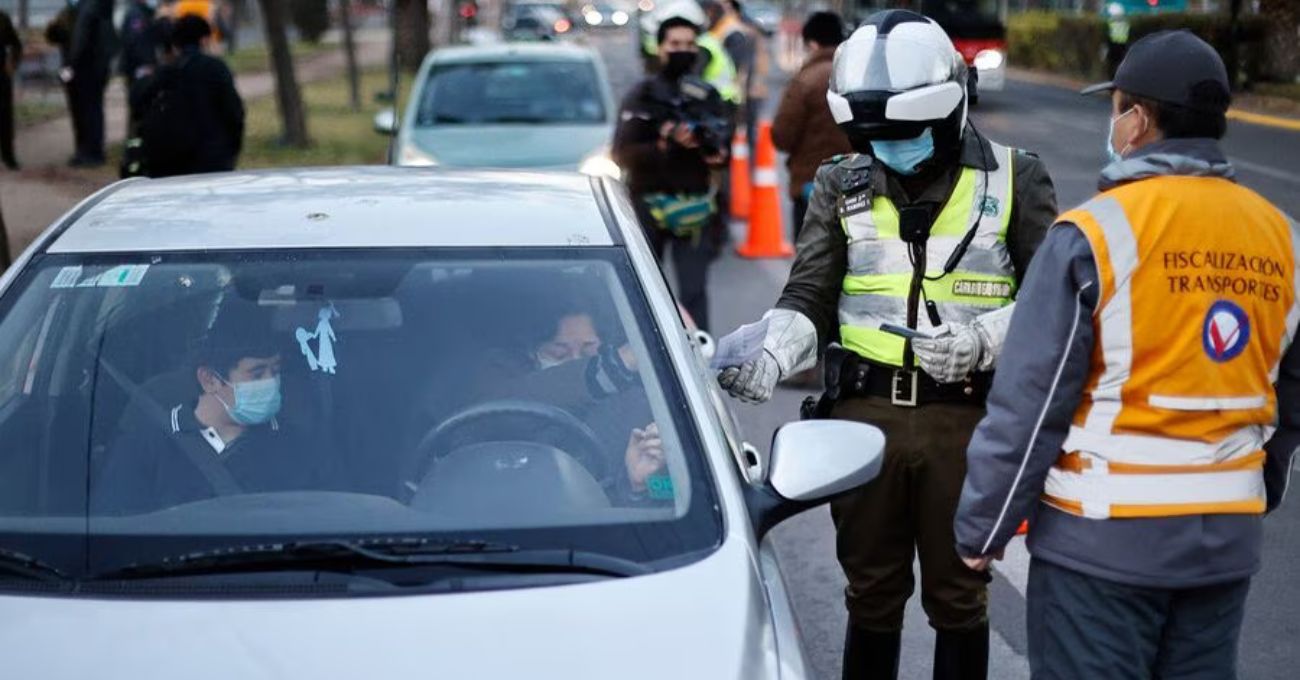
x,y
673,131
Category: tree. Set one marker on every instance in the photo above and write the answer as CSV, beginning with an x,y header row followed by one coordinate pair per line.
x,y
288,97
1283,54
350,51
412,32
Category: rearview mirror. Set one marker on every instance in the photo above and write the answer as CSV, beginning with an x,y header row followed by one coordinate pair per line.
x,y
386,122
705,343
813,461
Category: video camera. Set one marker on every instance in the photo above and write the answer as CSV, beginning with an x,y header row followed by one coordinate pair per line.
x,y
712,129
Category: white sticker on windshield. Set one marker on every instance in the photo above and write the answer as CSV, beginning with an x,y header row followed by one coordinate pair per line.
x,y
321,358
121,276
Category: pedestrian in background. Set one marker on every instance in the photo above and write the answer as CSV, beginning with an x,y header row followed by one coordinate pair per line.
x,y
11,52
760,68
92,47
193,116
804,128
674,130
139,35
1147,406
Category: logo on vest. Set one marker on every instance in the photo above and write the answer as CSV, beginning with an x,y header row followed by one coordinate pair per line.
x,y
982,289
991,206
1226,332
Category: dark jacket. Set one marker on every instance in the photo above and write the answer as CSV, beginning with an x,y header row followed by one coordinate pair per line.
x,y
139,39
93,41
1040,381
11,47
213,106
651,103
147,469
804,127
821,257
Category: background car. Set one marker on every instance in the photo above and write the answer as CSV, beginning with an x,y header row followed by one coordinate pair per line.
x,y
526,21
545,107
471,517
606,15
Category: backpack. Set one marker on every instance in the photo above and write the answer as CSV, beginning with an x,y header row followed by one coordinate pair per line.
x,y
169,135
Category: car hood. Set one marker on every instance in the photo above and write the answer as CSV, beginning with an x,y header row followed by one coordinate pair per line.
x,y
706,620
512,146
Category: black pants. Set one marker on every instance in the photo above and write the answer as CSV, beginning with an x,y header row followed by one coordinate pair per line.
x,y
691,258
907,512
1081,626
7,121
87,94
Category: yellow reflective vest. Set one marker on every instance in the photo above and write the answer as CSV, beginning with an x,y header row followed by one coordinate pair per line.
x,y
1197,304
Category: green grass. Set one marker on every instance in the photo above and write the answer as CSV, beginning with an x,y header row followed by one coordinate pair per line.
x,y
339,135
1283,90
255,58
30,111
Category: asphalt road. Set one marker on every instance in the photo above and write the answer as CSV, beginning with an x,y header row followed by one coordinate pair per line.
x,y
1066,130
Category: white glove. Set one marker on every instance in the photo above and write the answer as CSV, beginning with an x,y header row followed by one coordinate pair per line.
x,y
753,381
789,347
959,349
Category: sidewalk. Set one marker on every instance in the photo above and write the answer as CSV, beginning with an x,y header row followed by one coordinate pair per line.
x,y
46,188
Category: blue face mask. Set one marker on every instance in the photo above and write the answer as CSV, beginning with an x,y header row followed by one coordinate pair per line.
x,y
904,156
256,401
1111,153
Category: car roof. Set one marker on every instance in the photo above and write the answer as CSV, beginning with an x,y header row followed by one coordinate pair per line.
x,y
512,52
348,207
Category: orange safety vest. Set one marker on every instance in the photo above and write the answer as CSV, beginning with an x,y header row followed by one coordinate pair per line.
x,y
1197,306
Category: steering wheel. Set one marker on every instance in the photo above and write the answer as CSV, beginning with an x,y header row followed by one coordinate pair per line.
x,y
481,423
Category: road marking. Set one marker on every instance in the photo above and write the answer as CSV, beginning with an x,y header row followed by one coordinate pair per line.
x,y
1264,119
1266,170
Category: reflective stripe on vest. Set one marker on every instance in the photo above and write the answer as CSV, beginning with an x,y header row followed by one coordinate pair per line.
x,y
880,270
1191,324
720,72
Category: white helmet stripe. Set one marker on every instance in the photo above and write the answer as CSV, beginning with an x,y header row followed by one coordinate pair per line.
x,y
928,103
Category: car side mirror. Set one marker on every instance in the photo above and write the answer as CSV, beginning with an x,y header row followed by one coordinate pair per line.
x,y
386,122
813,461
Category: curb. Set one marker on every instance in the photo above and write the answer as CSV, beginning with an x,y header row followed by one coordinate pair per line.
x,y
1072,83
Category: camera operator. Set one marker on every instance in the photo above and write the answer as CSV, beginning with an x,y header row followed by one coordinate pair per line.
x,y
673,131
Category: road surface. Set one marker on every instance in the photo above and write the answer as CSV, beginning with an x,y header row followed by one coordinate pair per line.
x,y
1067,131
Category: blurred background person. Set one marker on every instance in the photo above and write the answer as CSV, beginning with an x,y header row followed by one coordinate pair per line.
x,y
11,51
139,34
91,52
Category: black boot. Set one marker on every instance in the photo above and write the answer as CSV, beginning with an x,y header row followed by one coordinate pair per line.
x,y
870,656
962,654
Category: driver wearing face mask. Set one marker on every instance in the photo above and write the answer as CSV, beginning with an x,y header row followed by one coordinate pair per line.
x,y
225,439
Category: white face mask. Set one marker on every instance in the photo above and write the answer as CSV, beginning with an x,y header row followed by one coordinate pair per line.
x,y
1111,153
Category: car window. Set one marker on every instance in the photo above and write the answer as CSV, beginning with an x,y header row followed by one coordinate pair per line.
x,y
526,92
188,399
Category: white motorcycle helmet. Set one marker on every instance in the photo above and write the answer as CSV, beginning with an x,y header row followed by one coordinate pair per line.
x,y
689,10
895,77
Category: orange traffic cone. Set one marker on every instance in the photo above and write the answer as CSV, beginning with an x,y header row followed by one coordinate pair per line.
x,y
766,234
740,189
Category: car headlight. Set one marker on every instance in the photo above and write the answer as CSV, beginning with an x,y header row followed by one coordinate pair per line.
x,y
413,156
987,60
620,18
593,18
646,5
601,165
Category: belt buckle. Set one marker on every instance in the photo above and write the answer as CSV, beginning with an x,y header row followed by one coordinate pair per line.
x,y
902,390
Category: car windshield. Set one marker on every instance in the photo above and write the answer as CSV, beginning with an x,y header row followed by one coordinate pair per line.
x,y
172,404
528,92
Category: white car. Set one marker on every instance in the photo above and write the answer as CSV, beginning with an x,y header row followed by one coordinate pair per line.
x,y
534,106
381,423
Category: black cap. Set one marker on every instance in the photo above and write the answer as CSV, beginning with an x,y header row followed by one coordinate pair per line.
x,y
1172,67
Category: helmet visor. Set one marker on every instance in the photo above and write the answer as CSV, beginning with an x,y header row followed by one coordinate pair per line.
x,y
899,61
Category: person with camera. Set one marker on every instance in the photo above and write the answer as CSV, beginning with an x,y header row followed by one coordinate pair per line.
x,y
673,131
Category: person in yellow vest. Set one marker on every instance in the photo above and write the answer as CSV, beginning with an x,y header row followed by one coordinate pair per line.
x,y
925,231
1147,404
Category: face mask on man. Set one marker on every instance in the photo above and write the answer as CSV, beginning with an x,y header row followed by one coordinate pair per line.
x,y
677,64
256,401
904,156
1111,153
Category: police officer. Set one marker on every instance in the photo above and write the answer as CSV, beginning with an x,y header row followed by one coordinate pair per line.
x,y
928,227
674,130
1149,362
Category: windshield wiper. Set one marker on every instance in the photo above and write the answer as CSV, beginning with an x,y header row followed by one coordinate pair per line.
x,y
340,555
26,566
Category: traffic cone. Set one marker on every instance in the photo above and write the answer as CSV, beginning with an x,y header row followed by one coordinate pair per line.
x,y
766,233
740,186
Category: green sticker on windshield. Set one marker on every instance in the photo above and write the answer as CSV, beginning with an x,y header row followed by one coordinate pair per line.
x,y
660,487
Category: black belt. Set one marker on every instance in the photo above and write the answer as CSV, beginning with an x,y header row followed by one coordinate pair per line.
x,y
848,375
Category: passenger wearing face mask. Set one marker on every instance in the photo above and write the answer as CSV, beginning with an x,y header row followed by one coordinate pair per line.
x,y
227,435
674,130
907,265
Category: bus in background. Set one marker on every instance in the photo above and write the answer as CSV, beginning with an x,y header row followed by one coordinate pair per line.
x,y
976,30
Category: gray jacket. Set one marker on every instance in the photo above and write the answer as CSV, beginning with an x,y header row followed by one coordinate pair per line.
x,y
821,258
1039,382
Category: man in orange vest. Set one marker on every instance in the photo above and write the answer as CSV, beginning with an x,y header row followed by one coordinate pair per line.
x,y
1147,402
